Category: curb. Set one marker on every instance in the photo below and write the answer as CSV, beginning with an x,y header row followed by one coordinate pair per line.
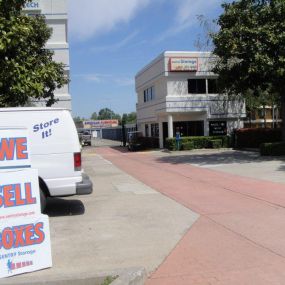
x,y
127,276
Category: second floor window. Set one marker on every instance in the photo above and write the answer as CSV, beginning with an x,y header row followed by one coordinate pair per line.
x,y
197,86
212,86
148,94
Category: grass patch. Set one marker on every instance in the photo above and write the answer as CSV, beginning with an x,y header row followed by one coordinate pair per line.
x,y
109,279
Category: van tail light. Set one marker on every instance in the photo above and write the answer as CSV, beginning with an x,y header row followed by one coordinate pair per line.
x,y
77,161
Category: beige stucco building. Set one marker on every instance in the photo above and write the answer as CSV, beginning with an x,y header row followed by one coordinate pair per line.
x,y
55,12
177,92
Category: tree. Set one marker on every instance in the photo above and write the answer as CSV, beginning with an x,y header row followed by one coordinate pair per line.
x,y
250,49
107,114
77,119
27,69
131,118
94,116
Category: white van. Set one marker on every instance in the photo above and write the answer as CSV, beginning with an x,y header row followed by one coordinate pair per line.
x,y
55,149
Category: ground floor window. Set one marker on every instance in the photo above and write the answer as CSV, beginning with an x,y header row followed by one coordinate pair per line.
x,y
186,129
189,128
146,130
154,130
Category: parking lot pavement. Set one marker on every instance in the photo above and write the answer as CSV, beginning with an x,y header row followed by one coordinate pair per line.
x,y
97,142
243,163
124,223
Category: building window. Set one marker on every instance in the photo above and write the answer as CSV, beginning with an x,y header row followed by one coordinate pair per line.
x,y
148,94
197,86
212,86
189,128
154,130
146,130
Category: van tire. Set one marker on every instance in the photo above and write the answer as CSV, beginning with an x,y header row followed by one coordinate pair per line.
x,y
43,199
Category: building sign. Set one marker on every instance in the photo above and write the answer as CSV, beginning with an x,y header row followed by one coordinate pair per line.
x,y
183,64
100,124
217,128
34,5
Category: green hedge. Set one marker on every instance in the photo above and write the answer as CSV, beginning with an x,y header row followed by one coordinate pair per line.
x,y
187,145
216,143
253,138
198,142
170,143
274,149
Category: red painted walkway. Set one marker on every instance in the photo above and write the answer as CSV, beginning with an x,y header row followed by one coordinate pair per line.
x,y
240,236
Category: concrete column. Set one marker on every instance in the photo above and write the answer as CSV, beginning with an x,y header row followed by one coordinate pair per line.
x,y
170,126
160,126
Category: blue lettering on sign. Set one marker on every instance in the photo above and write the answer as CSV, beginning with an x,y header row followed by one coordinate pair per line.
x,y
45,127
33,5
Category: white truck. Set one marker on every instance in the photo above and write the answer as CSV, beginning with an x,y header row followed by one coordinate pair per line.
x,y
55,149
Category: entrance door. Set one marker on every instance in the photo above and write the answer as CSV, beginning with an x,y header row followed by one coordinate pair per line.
x,y
165,132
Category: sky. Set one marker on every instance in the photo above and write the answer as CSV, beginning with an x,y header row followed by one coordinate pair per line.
x,y
111,40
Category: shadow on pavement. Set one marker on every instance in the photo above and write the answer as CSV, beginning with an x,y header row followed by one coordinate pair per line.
x,y
122,149
227,157
281,167
57,207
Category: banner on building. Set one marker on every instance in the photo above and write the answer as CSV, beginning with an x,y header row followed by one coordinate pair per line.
x,y
100,124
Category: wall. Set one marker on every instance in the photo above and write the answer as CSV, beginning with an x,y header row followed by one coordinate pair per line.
x,y
55,12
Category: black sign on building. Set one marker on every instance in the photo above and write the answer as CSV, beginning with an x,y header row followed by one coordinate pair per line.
x,y
217,128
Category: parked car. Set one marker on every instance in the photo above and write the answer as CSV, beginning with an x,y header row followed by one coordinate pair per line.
x,y
86,138
55,149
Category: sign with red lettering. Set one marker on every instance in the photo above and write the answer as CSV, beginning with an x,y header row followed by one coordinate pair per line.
x,y
19,194
24,245
24,232
14,148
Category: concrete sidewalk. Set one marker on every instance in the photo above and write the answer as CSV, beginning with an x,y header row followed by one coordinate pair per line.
x,y
123,224
239,237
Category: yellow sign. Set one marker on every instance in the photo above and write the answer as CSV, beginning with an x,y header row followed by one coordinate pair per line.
x,y
183,64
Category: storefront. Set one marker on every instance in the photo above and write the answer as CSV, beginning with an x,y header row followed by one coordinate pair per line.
x,y
177,92
55,12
